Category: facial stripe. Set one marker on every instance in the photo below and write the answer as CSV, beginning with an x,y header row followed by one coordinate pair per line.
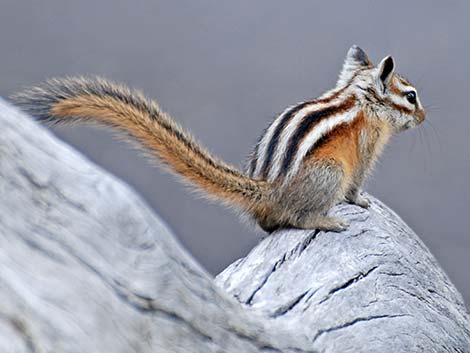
x,y
402,80
403,88
399,103
399,107
311,129
394,88
396,100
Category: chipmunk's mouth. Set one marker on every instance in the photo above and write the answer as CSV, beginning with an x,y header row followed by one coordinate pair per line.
x,y
417,119
409,124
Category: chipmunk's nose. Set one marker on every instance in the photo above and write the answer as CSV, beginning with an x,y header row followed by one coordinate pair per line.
x,y
420,115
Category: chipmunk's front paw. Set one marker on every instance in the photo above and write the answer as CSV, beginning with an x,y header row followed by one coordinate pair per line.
x,y
333,224
360,200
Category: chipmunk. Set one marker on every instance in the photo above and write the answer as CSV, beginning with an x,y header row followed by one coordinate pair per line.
x,y
313,156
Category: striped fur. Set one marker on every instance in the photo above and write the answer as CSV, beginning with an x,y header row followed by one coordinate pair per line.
x,y
315,154
311,130
281,151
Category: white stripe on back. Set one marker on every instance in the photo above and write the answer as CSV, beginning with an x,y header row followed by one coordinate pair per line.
x,y
289,130
323,127
263,144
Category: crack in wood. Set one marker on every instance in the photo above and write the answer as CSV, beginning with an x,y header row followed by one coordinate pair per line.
x,y
348,283
354,322
284,309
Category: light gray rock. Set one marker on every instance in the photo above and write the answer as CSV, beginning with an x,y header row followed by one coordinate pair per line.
x,y
85,266
373,288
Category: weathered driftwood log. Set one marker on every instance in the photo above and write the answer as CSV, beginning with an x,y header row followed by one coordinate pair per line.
x,y
86,267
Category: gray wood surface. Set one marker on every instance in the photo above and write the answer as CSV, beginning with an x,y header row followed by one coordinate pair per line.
x,y
85,266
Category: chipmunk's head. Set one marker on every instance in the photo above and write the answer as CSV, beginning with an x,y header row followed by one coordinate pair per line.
x,y
382,92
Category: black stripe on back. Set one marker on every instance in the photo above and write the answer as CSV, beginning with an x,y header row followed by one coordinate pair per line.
x,y
275,138
285,120
307,125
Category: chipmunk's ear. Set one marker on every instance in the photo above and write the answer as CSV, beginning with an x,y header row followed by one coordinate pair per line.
x,y
385,71
356,59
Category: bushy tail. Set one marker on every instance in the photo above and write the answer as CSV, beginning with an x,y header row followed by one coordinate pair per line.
x,y
98,100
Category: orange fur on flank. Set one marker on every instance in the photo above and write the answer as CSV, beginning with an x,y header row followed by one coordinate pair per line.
x,y
342,146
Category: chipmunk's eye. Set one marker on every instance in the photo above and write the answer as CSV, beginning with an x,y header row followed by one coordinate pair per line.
x,y
411,97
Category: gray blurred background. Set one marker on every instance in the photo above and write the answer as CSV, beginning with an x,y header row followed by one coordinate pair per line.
x,y
225,69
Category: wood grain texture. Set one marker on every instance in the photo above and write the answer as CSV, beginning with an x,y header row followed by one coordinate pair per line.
x,y
373,288
85,266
